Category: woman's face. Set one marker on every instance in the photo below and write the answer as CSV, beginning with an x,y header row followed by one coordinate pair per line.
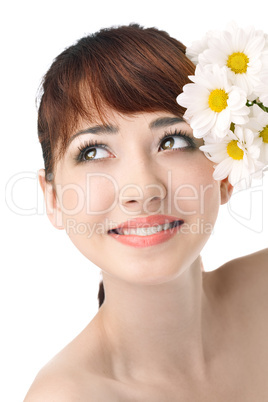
x,y
146,169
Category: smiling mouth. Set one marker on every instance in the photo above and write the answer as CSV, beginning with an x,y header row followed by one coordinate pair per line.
x,y
146,231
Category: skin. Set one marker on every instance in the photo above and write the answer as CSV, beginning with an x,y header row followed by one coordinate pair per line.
x,y
167,329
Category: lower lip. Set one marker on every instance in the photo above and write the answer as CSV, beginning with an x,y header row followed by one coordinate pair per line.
x,y
147,241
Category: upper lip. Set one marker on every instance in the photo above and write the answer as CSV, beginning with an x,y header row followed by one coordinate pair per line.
x,y
145,222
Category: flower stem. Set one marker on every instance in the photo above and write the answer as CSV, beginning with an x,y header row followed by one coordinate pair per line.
x,y
255,102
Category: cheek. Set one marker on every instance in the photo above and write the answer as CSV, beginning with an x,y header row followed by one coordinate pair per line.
x,y
101,193
195,191
209,192
89,198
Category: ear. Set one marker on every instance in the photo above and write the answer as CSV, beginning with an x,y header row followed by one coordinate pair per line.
x,y
53,209
226,191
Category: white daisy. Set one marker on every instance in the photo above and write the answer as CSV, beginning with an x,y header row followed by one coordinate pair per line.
x,y
212,102
198,47
258,123
261,90
236,156
242,51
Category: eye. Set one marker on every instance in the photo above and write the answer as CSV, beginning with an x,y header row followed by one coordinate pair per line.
x,y
93,152
175,141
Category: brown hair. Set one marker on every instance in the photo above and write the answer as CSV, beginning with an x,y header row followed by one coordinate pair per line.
x,y
128,69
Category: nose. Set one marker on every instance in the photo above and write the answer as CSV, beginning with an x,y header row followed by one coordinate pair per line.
x,y
143,190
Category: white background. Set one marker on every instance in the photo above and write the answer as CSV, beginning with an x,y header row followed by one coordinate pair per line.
x,y
48,291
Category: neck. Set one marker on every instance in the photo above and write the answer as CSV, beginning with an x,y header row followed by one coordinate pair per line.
x,y
158,327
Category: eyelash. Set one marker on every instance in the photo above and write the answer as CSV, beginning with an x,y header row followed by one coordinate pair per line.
x,y
91,144
178,134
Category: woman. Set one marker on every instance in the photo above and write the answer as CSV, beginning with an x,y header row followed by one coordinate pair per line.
x,y
125,177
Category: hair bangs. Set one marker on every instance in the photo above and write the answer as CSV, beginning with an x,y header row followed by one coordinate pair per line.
x,y
128,69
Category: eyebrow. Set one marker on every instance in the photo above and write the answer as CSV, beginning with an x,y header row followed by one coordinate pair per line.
x,y
165,121
99,129
161,122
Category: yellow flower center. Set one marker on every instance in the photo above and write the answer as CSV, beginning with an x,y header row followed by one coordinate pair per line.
x,y
217,100
264,134
234,151
238,62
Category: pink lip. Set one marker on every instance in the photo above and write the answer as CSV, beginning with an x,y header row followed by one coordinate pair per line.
x,y
151,240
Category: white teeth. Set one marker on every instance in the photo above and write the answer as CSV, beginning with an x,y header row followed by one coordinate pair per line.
x,y
166,226
145,231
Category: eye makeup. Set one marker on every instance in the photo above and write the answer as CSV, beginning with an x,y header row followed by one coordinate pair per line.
x,y
88,150
96,151
183,136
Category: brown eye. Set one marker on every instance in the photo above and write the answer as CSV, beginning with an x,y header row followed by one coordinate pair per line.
x,y
173,142
90,154
93,153
168,143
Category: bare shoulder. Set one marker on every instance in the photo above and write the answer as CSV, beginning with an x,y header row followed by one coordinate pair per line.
x,y
52,386
244,279
73,375
56,384
251,266
258,260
